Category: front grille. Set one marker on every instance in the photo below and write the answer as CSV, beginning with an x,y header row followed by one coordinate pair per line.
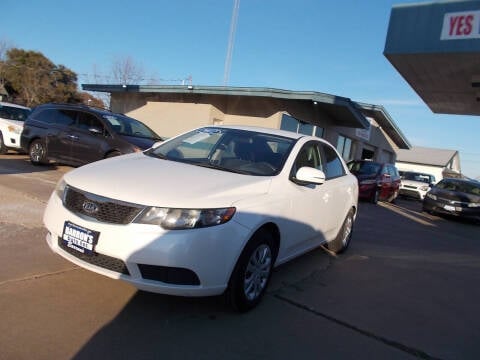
x,y
410,186
407,192
169,275
103,261
107,210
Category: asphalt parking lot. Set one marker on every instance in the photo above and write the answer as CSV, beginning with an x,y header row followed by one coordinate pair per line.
x,y
407,288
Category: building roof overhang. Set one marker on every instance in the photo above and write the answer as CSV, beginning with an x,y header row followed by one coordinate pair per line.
x,y
385,121
442,67
342,110
339,108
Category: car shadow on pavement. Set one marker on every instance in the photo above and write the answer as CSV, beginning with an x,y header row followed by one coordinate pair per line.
x,y
158,326
20,164
154,326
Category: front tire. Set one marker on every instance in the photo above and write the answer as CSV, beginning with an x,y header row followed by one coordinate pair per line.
x,y
38,153
3,148
375,196
252,272
342,241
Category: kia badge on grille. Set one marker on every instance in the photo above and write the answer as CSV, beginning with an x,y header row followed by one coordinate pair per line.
x,y
89,207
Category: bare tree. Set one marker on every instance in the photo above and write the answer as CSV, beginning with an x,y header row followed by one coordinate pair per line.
x,y
126,71
98,79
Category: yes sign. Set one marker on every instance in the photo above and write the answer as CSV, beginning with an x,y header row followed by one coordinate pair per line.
x,y
461,25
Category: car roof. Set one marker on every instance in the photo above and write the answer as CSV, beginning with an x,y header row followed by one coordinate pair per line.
x,y
97,110
468,181
14,105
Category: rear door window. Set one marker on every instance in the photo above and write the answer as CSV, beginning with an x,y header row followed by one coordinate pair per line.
x,y
57,116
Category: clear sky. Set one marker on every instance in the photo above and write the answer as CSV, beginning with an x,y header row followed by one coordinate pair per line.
x,y
334,47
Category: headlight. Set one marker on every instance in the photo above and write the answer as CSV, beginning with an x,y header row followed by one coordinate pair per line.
x,y
60,188
424,187
14,129
431,196
176,219
368,182
473,205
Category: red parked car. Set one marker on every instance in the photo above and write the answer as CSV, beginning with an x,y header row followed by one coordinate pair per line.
x,y
376,181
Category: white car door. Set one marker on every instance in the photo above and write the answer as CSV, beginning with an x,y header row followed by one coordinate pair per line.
x,y
310,205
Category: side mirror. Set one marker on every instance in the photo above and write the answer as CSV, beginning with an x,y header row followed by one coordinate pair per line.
x,y
309,175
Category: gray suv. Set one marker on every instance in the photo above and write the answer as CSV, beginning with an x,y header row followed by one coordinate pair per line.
x,y
79,134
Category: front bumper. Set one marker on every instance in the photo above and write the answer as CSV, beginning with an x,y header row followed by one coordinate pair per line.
x,y
444,207
367,191
11,140
151,258
415,193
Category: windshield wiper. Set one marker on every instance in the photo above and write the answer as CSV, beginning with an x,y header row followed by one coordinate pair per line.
x,y
216,167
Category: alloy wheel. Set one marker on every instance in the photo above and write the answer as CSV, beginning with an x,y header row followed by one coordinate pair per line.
x,y
257,272
37,152
347,230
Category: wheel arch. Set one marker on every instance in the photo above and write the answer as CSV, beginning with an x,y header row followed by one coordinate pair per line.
x,y
273,229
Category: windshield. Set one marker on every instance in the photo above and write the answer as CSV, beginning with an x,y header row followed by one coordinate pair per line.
x,y
125,125
240,151
364,168
460,186
426,178
13,113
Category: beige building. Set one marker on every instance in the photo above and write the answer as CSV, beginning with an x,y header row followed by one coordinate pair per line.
x,y
357,130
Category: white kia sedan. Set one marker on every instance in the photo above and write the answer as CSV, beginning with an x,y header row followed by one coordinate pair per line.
x,y
208,212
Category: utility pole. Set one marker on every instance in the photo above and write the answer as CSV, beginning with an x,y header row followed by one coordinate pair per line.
x,y
231,40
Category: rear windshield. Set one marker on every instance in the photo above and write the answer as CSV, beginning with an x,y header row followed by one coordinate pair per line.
x,y
460,186
418,177
364,168
13,113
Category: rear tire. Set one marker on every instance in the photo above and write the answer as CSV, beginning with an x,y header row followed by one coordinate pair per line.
x,y
38,153
342,241
394,197
252,272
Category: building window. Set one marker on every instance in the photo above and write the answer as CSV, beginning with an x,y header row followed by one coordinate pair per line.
x,y
344,147
289,123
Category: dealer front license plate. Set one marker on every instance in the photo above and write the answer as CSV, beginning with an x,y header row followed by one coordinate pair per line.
x,y
79,238
449,207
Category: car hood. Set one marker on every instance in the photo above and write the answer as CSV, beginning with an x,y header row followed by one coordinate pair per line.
x,y
141,142
141,179
455,195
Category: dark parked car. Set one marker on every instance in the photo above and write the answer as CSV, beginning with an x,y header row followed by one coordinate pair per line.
x,y
376,181
459,197
79,134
